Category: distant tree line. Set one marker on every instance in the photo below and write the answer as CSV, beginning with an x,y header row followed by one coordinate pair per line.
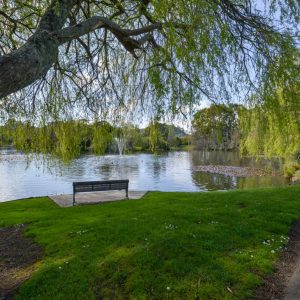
x,y
69,139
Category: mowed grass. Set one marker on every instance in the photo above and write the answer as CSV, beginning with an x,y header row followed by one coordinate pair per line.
x,y
215,245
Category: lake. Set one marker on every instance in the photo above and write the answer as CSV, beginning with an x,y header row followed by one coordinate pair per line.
x,y
21,177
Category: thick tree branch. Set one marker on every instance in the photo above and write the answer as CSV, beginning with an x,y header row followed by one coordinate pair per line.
x,y
96,22
123,35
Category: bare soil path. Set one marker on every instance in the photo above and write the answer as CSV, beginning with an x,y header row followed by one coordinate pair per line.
x,y
18,255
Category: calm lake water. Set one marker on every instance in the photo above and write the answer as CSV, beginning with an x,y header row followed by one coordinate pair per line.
x,y
21,177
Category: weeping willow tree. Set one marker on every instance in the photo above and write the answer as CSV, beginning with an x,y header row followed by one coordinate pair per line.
x,y
102,137
271,125
271,132
154,136
74,59
157,141
64,139
69,137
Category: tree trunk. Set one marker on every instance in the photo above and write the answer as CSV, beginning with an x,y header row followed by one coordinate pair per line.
x,y
30,62
25,65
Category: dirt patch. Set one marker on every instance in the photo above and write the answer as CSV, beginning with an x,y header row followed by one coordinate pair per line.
x,y
18,255
274,286
235,171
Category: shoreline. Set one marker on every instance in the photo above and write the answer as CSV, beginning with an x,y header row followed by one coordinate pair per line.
x,y
236,171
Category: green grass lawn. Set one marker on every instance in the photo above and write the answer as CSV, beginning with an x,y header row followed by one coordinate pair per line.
x,y
167,246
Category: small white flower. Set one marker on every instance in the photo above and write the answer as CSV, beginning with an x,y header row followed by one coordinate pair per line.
x,y
168,288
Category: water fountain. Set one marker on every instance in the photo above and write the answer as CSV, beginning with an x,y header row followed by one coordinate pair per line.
x,y
121,144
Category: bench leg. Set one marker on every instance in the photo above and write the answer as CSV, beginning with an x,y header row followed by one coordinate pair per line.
x,y
73,199
127,194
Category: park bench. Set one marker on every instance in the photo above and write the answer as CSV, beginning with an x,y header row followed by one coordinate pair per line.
x,y
97,186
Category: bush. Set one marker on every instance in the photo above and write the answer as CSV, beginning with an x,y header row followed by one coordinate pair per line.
x,y
297,175
290,168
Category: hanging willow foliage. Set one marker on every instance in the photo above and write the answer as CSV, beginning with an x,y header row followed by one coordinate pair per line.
x,y
102,137
91,57
62,139
271,126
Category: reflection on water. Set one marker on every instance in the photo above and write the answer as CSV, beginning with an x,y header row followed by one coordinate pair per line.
x,y
233,159
221,182
21,177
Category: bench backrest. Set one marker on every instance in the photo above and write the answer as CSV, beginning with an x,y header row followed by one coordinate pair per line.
x,y
90,186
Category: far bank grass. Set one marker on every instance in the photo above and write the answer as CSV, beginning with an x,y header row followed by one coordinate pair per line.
x,y
166,246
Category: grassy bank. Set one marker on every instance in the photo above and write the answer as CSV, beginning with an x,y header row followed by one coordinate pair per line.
x,y
214,245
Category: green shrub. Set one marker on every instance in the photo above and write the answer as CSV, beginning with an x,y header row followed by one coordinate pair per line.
x,y
297,175
290,169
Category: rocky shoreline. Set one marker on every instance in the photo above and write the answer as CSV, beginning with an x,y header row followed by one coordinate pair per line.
x,y
233,171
